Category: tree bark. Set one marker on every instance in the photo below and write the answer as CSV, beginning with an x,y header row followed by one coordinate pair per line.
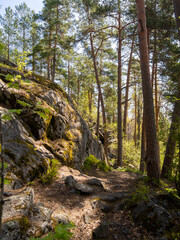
x,y
98,116
143,146
68,78
49,55
138,118
2,174
152,156
135,115
55,45
170,148
119,157
156,97
127,89
177,14
101,99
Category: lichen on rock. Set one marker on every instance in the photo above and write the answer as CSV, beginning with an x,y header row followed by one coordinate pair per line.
x,y
48,126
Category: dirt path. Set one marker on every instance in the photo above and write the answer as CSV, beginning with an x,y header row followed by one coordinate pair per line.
x,y
79,208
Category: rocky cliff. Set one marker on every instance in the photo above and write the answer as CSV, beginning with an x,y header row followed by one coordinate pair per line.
x,y
41,123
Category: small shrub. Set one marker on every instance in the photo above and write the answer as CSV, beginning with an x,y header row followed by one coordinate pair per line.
x,y
92,161
140,193
103,166
51,172
62,232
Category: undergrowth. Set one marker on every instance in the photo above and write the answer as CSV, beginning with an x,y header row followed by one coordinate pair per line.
x,y
51,172
62,232
93,162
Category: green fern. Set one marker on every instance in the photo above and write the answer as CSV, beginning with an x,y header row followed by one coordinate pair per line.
x,y
62,232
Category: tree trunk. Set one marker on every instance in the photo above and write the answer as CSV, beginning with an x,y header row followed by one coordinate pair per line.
x,y
55,45
177,14
152,156
119,157
49,55
101,99
156,97
127,89
170,148
135,114
68,78
8,46
33,54
24,39
98,116
138,119
143,146
2,174
90,101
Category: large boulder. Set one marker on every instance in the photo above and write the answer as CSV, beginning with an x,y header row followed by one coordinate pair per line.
x,y
22,218
152,216
49,126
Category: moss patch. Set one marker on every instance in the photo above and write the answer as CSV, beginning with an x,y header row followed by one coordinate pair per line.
x,y
93,162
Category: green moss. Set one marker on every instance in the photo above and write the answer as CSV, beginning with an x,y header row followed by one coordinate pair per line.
x,y
68,135
24,224
103,166
93,162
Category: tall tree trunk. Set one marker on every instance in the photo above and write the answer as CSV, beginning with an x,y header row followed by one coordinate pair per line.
x,y
68,78
170,148
127,89
119,157
177,14
8,46
152,156
2,174
49,55
24,39
98,116
156,97
55,45
101,99
90,101
138,119
78,88
33,54
135,115
143,146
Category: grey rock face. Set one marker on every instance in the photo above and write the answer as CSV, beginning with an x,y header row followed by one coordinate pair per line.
x,y
31,141
22,218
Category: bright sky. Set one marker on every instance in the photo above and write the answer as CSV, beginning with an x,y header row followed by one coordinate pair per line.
x,y
35,5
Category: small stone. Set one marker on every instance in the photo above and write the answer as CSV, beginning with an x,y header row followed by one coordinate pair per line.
x,y
100,205
17,184
7,194
61,218
70,181
94,181
86,218
83,188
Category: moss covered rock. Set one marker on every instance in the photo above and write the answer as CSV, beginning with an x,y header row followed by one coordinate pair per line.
x,y
45,124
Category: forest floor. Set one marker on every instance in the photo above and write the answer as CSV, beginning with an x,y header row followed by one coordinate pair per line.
x,y
62,199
